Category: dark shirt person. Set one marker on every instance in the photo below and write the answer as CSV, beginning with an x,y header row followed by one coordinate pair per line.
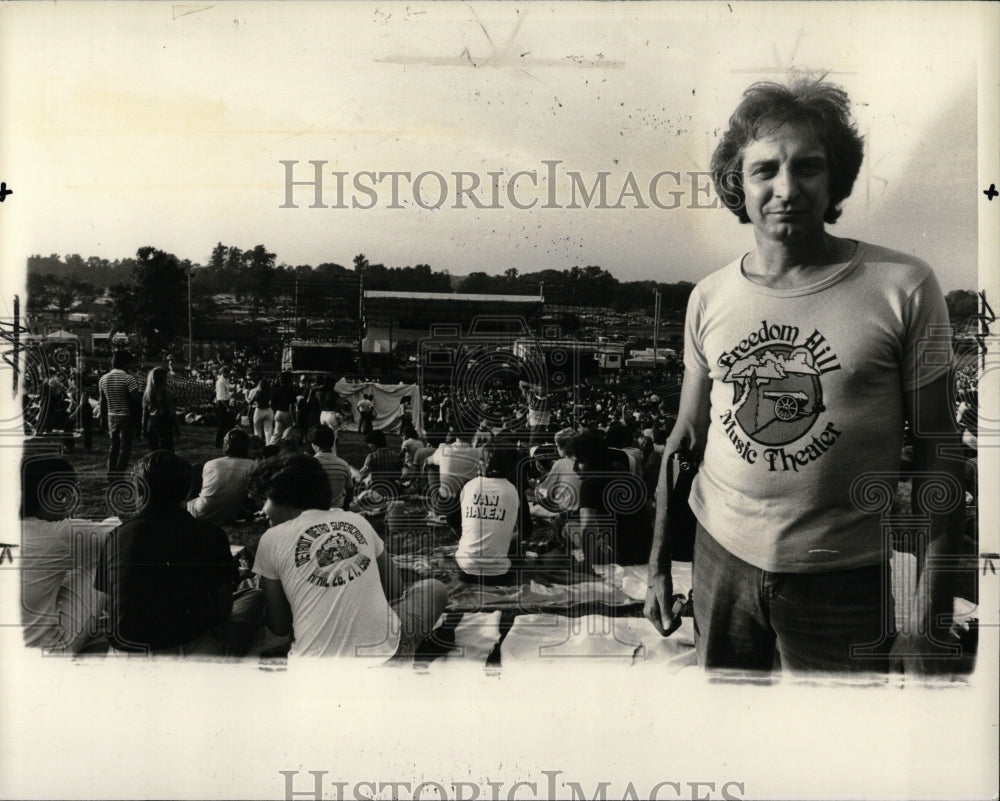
x,y
169,578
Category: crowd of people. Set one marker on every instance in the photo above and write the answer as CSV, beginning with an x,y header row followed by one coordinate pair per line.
x,y
482,483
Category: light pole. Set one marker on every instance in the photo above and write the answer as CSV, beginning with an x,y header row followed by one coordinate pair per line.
x,y
190,337
656,326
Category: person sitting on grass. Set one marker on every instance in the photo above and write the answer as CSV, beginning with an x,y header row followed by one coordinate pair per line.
x,y
326,576
60,609
338,472
169,578
223,494
380,474
489,505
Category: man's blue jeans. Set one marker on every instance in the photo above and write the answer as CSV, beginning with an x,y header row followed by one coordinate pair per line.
x,y
749,620
121,432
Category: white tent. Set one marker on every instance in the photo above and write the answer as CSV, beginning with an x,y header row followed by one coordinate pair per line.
x,y
64,335
388,399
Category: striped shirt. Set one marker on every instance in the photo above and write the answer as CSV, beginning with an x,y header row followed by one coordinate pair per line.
x,y
338,473
115,387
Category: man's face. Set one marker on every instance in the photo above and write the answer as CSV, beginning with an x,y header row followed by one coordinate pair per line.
x,y
786,184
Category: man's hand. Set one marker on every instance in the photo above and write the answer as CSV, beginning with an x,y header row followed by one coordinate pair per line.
x,y
661,608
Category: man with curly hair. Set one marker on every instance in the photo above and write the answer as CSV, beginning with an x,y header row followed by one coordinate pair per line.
x,y
326,576
803,359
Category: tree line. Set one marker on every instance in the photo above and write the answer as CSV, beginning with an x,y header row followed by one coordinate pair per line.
x,y
149,292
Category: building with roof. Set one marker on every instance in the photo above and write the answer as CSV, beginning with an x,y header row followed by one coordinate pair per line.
x,y
403,319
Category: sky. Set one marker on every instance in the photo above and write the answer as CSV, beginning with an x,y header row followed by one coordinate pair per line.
x,y
166,125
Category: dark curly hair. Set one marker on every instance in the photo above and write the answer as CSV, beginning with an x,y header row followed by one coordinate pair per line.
x,y
292,480
765,107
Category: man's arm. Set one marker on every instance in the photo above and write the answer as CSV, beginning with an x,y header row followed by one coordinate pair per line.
x,y
929,647
690,429
277,611
102,399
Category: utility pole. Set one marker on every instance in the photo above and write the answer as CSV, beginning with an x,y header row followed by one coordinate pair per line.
x,y
190,328
16,333
361,319
656,326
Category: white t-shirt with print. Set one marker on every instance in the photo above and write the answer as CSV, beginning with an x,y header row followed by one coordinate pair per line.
x,y
807,405
325,560
489,517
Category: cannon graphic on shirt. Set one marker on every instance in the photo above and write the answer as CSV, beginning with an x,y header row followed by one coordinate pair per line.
x,y
335,548
788,405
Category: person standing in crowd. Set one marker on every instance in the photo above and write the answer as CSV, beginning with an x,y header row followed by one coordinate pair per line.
x,y
83,412
159,413
489,504
60,610
327,398
223,405
337,470
259,399
326,576
170,579
224,482
539,413
366,414
51,402
283,403
121,405
802,360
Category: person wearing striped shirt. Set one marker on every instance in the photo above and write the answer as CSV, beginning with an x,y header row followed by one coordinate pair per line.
x,y
121,402
338,472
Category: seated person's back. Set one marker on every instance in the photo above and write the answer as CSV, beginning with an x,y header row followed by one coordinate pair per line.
x,y
224,482
338,472
59,607
168,577
326,575
489,504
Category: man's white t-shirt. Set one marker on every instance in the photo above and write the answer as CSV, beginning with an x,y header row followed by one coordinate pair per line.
x,y
223,489
489,517
458,462
807,389
325,560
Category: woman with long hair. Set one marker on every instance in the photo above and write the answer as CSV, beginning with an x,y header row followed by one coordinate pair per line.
x,y
159,412
263,415
283,403
327,396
